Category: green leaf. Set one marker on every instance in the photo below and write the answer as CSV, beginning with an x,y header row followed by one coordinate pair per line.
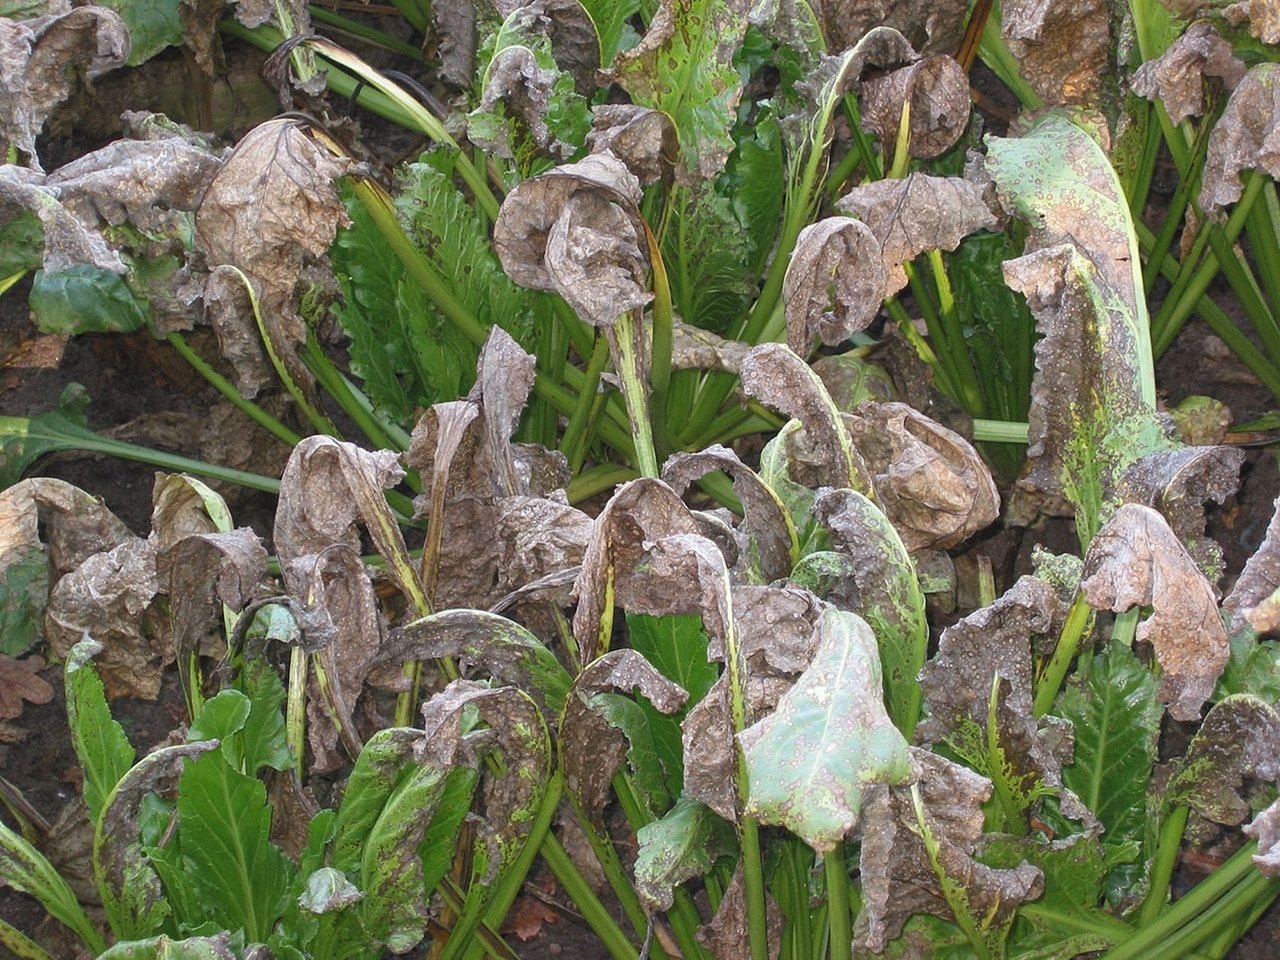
x,y
153,26
828,739
708,259
1113,706
440,841
25,869
85,299
21,243
262,741
24,590
684,844
684,67
163,948
610,18
101,746
757,170
23,440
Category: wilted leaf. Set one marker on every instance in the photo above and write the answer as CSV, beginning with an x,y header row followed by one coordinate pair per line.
x,y
539,537
1243,138
577,230
829,738
1135,560
881,587
40,62
1239,739
929,480
683,844
919,213
19,681
698,349
917,857
643,139
504,377
938,90
1265,828
726,935
932,26
455,34
683,66
272,210
834,283
1176,78
218,947
596,736
1254,598
1062,46
770,537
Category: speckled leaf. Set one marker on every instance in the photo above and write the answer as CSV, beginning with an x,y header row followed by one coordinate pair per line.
x,y
683,844
1265,828
919,213
1243,138
834,283
217,947
917,856
643,139
683,66
507,651
938,90
40,64
1256,596
810,761
932,26
1238,739
598,731
768,535
928,480
1062,46
881,587
1177,77
1136,560
726,935
577,230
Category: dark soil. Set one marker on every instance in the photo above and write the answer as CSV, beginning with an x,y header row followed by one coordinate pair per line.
x,y
141,385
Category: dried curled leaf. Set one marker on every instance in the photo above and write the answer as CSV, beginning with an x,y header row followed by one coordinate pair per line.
x,y
726,935
1244,137
1239,740
932,26
809,762
577,230
1176,78
643,139
938,91
1265,828
1062,46
914,837
40,61
930,481
203,572
834,284
272,210
1256,596
1136,560
1262,16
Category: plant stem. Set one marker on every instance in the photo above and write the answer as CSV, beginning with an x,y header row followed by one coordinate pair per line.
x,y
623,336
1166,861
329,377
663,317
1051,680
585,899
361,31
573,444
838,917
999,431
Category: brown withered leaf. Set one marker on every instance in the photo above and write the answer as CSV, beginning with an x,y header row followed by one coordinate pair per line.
x,y
932,26
182,506
1238,741
643,139
778,378
698,349
527,916
577,230
641,510
1243,138
938,90
229,310
203,572
1062,46
915,214
454,36
272,210
593,731
538,537
504,377
726,935
1256,595
41,61
1262,16
834,284
777,629
20,680
929,480
1265,828
1136,560
516,80
109,598
1176,78
898,878
67,241
768,537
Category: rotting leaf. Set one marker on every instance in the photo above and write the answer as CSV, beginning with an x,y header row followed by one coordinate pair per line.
x,y
272,210
643,139
683,844
504,377
40,60
915,214
938,90
770,540
1176,78
726,935
1243,138
931,482
1256,596
1239,739
1136,560
919,859
1265,828
1062,46
683,66
932,26
594,743
20,680
809,762
834,283
537,538
577,230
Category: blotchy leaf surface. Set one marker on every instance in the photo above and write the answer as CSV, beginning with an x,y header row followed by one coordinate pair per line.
x,y
682,845
938,91
834,284
1062,46
810,761
1239,739
1135,560
643,139
726,935
1177,77
1244,137
932,26
1265,828
1254,597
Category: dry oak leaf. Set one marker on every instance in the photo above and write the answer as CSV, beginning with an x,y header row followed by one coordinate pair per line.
x,y
19,681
